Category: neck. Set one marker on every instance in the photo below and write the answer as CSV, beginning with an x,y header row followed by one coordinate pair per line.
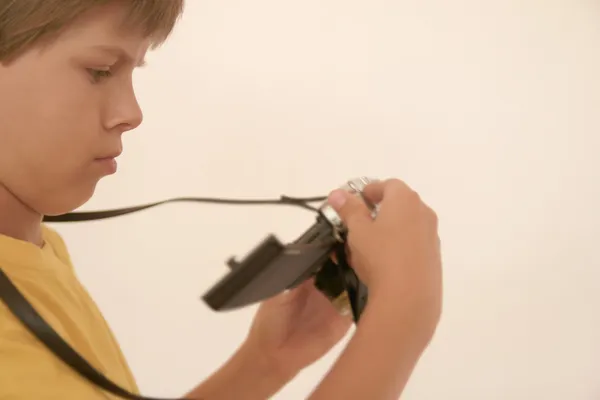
x,y
17,220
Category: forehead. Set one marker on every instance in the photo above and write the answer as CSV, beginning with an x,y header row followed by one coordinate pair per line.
x,y
104,28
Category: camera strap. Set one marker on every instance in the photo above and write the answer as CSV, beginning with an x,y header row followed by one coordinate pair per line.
x,y
29,317
97,215
34,322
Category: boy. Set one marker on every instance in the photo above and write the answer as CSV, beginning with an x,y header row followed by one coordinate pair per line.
x,y
66,98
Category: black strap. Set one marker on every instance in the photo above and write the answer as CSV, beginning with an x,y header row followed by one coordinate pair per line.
x,y
357,291
25,312
95,215
30,318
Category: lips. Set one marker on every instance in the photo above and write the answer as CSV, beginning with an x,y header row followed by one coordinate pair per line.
x,y
110,156
108,164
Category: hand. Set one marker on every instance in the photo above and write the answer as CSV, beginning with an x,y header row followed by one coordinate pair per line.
x,y
290,331
398,256
297,328
398,253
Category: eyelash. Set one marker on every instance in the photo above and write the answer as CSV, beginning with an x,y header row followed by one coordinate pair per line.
x,y
98,74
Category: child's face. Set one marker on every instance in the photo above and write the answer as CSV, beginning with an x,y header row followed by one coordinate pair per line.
x,y
65,106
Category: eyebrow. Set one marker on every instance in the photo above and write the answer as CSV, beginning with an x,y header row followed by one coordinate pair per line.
x,y
121,53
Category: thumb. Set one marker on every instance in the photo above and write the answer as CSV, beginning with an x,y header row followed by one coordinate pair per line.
x,y
351,208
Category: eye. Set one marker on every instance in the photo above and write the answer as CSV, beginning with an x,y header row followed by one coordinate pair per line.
x,y
99,74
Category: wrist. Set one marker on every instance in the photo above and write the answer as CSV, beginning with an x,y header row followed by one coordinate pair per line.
x,y
380,357
250,355
247,375
407,309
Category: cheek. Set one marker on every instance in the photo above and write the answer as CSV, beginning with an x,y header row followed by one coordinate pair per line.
x,y
67,117
49,129
49,134
19,139
68,105
45,160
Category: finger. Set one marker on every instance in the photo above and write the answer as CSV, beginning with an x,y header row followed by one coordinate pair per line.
x,y
373,192
396,197
352,210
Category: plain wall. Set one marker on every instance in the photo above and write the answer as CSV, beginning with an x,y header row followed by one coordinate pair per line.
x,y
490,109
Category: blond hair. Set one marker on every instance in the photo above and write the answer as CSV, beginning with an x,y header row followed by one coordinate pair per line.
x,y
24,23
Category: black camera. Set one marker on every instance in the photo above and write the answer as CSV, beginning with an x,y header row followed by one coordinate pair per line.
x,y
320,253
272,266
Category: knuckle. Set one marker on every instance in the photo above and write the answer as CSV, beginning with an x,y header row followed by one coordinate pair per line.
x,y
433,217
402,190
396,184
412,198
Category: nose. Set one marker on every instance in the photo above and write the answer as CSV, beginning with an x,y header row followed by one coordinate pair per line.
x,y
124,113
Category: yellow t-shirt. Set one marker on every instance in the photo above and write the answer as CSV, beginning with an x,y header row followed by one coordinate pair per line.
x,y
28,370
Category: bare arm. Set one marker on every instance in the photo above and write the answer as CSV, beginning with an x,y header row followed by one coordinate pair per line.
x,y
246,376
376,364
379,359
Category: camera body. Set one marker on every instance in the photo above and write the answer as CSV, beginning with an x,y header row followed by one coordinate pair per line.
x,y
319,253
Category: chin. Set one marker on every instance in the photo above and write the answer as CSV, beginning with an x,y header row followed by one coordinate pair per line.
x,y
66,203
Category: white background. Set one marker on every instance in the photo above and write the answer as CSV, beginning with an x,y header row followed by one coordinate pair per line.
x,y
491,109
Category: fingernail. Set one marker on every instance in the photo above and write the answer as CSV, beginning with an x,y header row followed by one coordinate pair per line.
x,y
337,198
